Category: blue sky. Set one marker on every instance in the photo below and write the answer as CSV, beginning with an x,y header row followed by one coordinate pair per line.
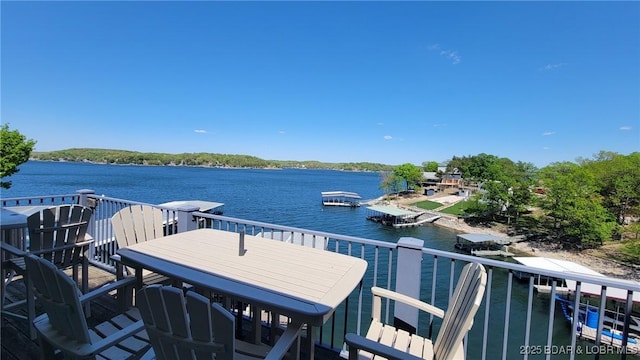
x,y
387,82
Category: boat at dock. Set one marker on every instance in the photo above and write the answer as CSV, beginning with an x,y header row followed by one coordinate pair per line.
x,y
340,198
613,318
612,333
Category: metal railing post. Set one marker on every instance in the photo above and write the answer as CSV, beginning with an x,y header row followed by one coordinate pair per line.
x,y
408,276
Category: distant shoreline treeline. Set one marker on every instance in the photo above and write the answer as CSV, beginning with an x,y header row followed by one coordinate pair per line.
x,y
124,157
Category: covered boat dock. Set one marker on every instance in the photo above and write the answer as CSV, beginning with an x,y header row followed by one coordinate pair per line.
x,y
586,289
203,206
483,244
396,216
340,198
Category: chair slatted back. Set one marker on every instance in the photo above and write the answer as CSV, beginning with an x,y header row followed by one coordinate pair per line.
x,y
191,329
137,223
462,308
62,230
59,296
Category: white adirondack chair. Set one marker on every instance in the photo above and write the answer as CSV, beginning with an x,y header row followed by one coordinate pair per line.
x,y
194,328
383,340
64,326
135,224
58,234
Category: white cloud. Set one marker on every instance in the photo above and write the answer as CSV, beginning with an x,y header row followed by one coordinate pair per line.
x,y
625,128
450,54
549,67
388,137
281,132
200,131
548,133
546,148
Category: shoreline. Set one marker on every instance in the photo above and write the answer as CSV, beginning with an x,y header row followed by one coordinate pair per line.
x,y
604,266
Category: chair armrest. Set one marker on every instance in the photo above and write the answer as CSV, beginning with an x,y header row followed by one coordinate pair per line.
x,y
64,247
285,341
85,350
357,342
107,288
407,300
117,337
12,249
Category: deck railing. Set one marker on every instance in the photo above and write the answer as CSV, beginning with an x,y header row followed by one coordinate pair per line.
x,y
514,321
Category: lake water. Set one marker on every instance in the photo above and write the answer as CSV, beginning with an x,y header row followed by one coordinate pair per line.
x,y
287,197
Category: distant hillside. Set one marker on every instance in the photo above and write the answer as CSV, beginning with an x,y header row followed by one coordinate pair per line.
x,y
108,156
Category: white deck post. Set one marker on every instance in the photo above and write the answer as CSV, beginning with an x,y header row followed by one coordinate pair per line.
x,y
408,270
84,197
186,222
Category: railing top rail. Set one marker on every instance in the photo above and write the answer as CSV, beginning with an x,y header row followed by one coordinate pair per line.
x,y
585,278
17,200
108,198
379,243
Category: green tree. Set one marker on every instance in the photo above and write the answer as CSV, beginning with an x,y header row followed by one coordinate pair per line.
x,y
574,204
477,168
618,179
16,150
390,182
411,174
430,166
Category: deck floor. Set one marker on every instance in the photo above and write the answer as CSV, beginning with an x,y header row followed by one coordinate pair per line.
x,y
14,337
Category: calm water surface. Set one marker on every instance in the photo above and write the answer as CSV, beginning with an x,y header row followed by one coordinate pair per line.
x,y
286,197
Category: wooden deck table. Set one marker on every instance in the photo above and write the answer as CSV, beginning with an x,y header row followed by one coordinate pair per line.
x,y
303,283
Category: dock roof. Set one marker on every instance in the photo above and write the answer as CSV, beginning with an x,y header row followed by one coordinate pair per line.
x,y
545,263
346,194
555,265
481,238
203,206
392,210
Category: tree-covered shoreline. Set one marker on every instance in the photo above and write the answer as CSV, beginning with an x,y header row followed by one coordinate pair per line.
x,y
125,157
581,205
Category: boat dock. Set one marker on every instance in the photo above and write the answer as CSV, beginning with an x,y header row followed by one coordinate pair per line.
x,y
483,245
399,217
612,325
609,338
203,206
340,198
